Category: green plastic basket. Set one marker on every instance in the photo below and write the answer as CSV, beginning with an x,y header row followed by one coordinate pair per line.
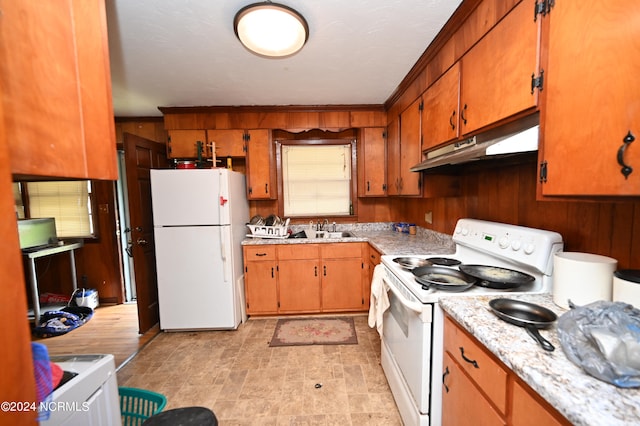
x,y
137,405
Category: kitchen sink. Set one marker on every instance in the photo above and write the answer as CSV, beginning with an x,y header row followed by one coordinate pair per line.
x,y
326,234
339,234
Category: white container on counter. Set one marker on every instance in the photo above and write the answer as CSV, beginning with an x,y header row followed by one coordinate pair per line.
x,y
626,286
582,278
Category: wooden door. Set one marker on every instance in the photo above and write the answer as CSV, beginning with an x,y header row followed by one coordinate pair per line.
x,y
141,155
299,285
393,157
184,143
260,169
440,117
17,382
228,143
462,402
496,73
410,148
261,287
372,163
590,98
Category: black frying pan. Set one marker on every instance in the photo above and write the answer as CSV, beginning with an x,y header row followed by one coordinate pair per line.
x,y
527,315
442,278
496,277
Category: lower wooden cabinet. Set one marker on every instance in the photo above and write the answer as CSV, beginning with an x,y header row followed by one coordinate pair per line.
x,y
306,278
477,389
462,402
260,281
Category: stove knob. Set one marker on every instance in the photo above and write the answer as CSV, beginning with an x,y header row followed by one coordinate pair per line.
x,y
503,242
465,231
515,245
529,248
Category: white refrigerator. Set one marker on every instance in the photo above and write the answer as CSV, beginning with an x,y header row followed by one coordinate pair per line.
x,y
199,219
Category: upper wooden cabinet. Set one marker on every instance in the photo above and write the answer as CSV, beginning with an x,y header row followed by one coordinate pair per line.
x,y
228,143
404,151
372,162
56,84
440,117
590,102
184,143
497,72
261,172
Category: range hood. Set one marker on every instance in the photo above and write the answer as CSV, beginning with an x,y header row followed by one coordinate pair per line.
x,y
502,142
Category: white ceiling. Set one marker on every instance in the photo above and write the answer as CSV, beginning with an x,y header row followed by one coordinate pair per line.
x,y
185,53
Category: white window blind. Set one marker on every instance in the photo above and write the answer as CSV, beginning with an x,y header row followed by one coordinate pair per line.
x,y
67,201
316,179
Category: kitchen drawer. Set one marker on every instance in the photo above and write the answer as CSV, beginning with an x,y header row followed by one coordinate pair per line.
x,y
341,250
374,255
487,374
261,252
298,251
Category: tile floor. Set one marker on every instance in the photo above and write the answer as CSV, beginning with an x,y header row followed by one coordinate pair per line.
x,y
246,382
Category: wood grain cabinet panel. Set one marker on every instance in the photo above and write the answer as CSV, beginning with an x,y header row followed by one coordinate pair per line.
x,y
260,279
184,143
372,164
228,143
440,121
411,148
305,278
462,402
590,99
261,170
478,389
476,362
496,72
54,72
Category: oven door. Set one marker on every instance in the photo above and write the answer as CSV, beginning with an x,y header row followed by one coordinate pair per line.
x,y
407,336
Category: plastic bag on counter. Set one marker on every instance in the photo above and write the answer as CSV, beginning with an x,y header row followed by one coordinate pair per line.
x,y
603,338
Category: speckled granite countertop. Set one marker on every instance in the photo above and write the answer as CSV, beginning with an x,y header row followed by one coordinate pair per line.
x,y
379,235
582,399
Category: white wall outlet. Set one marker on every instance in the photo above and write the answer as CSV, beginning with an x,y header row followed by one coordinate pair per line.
x,y
428,217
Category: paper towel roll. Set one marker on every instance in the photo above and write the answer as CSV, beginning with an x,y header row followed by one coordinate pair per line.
x,y
582,278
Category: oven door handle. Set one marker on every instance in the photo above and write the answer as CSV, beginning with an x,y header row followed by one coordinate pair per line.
x,y
414,306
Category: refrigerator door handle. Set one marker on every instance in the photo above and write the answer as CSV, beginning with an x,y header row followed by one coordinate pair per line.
x,y
225,256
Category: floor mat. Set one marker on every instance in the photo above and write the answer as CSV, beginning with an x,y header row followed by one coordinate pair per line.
x,y
314,331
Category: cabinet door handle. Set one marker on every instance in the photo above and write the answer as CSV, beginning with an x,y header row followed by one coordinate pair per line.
x,y
453,115
272,276
315,271
625,170
266,188
444,376
325,270
368,187
464,109
261,254
470,361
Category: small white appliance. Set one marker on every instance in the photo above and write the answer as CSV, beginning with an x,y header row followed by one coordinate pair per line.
x,y
199,219
413,326
90,398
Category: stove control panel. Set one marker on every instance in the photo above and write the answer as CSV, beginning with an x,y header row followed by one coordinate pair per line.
x,y
528,246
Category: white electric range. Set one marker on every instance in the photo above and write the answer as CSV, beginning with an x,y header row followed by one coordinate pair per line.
x,y
412,338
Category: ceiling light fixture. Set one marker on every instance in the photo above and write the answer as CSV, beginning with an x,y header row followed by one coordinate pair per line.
x,y
271,30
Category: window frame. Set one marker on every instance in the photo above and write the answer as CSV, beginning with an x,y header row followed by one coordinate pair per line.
x,y
318,137
24,190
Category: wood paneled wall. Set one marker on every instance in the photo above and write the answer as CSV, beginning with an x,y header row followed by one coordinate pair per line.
x,y
508,194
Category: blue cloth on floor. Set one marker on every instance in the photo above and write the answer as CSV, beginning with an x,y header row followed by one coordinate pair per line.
x,y
56,323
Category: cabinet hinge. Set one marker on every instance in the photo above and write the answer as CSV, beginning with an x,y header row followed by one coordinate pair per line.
x,y
421,106
247,137
250,190
384,135
543,172
537,82
244,148
542,8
